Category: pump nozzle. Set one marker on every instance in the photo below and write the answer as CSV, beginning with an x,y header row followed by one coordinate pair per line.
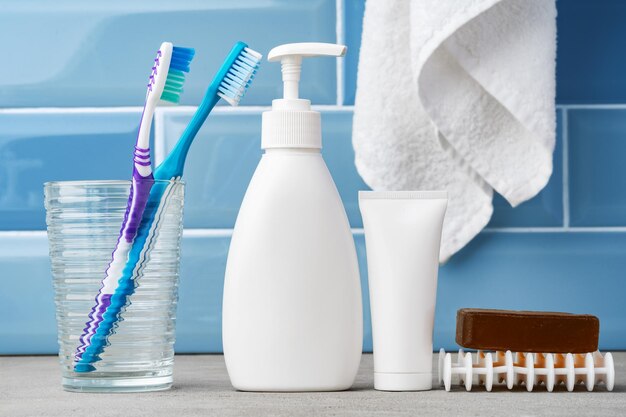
x,y
291,123
290,55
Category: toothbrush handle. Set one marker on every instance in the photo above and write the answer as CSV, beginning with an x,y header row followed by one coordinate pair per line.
x,y
145,233
172,166
137,200
137,259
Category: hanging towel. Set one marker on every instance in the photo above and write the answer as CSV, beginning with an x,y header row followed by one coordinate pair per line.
x,y
457,95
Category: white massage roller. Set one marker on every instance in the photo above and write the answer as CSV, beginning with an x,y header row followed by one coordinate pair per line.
x,y
544,371
445,369
528,368
591,369
464,364
504,368
484,369
525,367
564,370
605,369
440,359
584,370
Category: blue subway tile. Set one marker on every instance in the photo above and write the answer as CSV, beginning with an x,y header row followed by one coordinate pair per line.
x,y
27,312
353,21
339,156
535,271
96,56
199,315
219,165
597,173
224,156
27,319
38,147
546,208
590,63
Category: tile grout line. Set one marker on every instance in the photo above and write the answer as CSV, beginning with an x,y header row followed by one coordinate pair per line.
x,y
600,106
22,233
340,39
70,110
207,232
591,229
164,110
247,109
217,109
225,232
565,167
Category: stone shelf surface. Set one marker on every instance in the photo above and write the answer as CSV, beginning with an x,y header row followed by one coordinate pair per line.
x,y
30,386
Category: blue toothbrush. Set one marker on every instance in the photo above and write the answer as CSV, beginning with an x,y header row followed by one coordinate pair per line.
x,y
230,83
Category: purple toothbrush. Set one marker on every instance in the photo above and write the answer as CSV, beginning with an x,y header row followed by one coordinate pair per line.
x,y
166,81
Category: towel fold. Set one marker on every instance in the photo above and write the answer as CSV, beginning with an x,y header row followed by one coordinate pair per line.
x,y
457,95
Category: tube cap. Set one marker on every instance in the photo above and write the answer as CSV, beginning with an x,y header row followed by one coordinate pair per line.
x,y
384,381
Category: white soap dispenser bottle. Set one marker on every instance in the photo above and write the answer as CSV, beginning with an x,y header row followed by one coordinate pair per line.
x,y
292,314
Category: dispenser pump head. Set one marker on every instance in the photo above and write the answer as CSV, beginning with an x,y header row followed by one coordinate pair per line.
x,y
290,55
291,123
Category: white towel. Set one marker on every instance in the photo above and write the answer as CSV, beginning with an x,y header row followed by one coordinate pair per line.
x,y
457,95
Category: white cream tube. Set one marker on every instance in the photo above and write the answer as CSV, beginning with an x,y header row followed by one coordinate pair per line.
x,y
402,237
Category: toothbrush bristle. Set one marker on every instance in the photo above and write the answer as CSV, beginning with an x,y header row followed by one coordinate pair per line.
x,y
239,76
181,57
179,65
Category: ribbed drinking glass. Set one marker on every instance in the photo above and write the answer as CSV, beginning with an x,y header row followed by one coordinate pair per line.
x,y
84,220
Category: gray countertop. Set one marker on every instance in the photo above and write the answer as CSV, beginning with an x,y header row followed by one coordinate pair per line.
x,y
30,386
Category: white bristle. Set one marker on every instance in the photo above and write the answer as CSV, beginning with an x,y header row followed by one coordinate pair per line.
x,y
254,53
239,76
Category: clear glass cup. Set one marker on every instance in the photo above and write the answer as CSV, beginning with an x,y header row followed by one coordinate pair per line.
x,y
84,220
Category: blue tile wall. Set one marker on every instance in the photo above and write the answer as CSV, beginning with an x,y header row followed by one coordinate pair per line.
x,y
543,271
562,250
38,147
199,316
101,56
597,146
27,320
219,165
339,156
